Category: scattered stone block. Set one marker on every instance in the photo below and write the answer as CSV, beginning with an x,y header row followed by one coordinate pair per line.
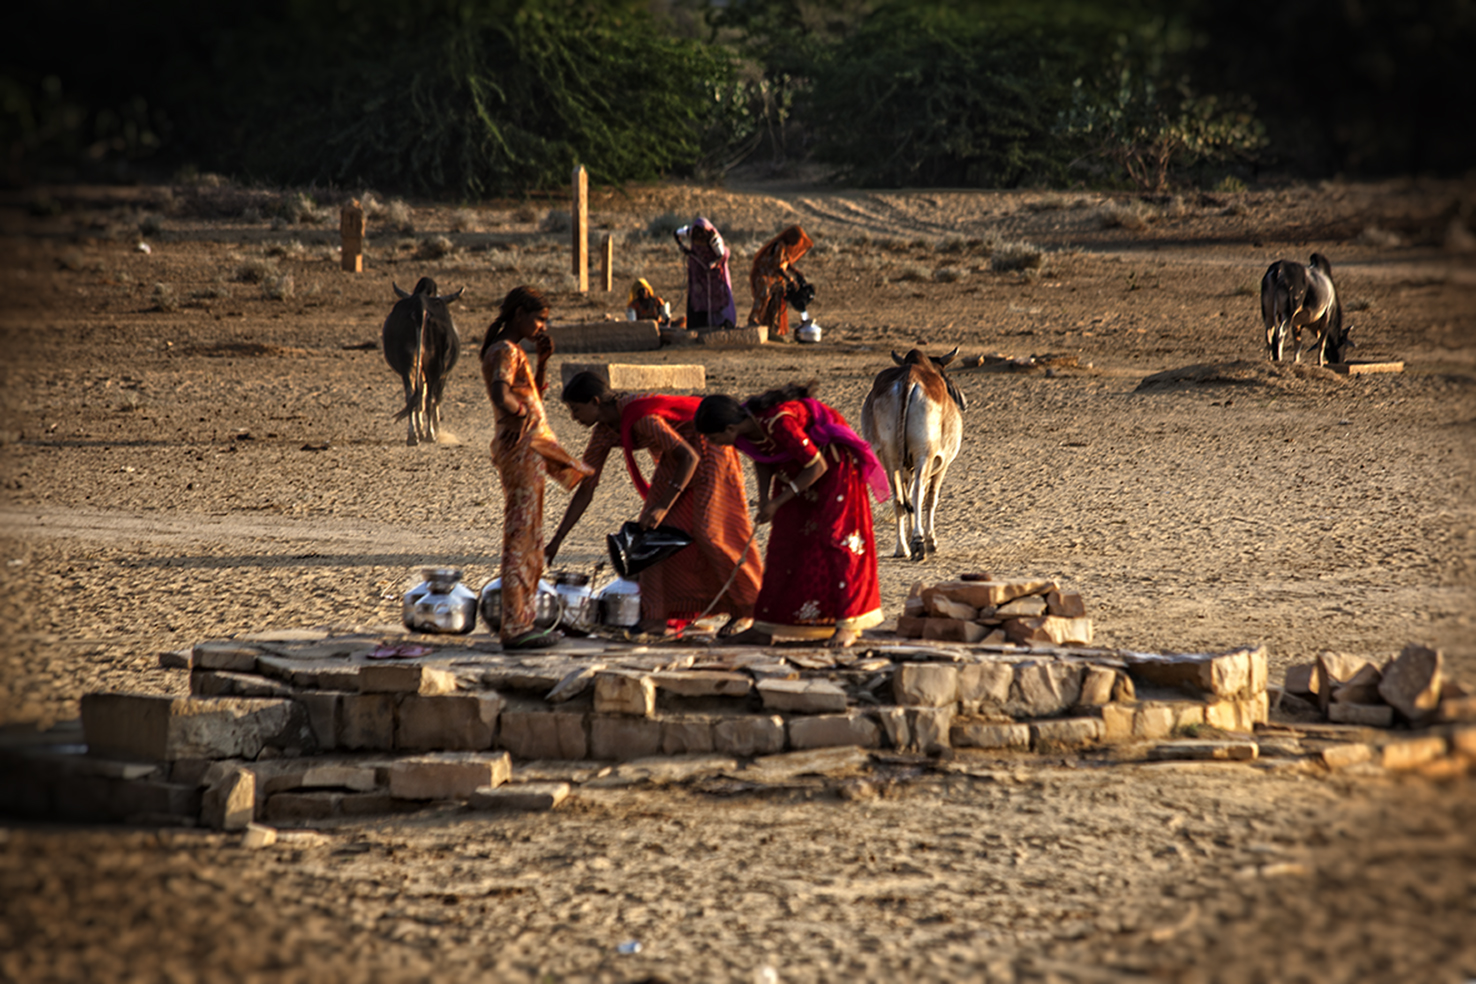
x,y
170,728
1186,714
1229,674
1204,751
1117,722
401,678
1301,679
1463,742
895,727
225,654
447,775
802,696
952,630
834,730
624,377
359,778
604,336
941,606
178,659
930,728
257,836
996,637
1368,715
1027,607
911,627
1342,756
749,735
1044,688
322,710
925,684
543,734
464,722
621,737
1401,755
746,337
982,734
619,692
686,735
528,797
1411,683
819,761
989,594
979,682
366,722
1331,671
1049,628
1457,709
369,804
914,608
1066,604
296,807
1096,686
225,683
231,803
703,683
1153,721
1066,732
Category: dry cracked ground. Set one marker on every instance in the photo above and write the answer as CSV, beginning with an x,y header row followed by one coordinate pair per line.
x,y
197,444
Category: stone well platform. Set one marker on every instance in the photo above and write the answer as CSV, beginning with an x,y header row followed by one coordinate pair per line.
x,y
305,726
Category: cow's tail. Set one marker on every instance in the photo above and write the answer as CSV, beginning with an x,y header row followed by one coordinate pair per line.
x,y
415,403
904,407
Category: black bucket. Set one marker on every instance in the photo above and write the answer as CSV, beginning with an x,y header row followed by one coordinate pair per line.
x,y
633,549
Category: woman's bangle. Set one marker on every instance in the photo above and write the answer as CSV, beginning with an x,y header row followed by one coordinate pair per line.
x,y
795,489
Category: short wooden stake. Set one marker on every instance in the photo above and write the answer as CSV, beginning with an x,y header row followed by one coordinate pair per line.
x,y
607,262
351,228
581,228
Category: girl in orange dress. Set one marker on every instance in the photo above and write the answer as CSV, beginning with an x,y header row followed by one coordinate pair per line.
x,y
524,449
697,487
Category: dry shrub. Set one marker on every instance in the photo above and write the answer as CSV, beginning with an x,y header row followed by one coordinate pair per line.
x,y
1016,256
164,298
300,209
394,215
434,248
212,293
949,275
1132,216
663,225
556,220
1175,208
464,220
277,288
290,250
913,272
526,214
952,244
1047,203
255,270
150,225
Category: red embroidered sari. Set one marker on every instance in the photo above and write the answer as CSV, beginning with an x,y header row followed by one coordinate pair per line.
x,y
820,571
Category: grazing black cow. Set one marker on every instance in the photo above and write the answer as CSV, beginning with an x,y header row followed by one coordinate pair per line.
x,y
421,344
1297,298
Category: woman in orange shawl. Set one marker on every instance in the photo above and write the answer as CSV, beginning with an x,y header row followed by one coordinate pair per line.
x,y
524,448
770,279
697,487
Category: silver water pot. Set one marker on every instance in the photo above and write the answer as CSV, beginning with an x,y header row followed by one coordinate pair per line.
x,y
440,603
620,604
547,608
579,608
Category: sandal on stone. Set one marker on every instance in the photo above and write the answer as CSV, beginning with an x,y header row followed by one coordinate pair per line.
x,y
535,639
733,626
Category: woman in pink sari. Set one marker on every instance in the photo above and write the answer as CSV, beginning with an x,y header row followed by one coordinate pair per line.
x,y
709,285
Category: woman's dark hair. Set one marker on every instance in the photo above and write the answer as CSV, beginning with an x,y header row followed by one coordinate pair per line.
x,y
521,298
586,387
783,394
717,413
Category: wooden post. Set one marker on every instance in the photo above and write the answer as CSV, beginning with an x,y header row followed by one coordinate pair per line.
x,y
607,262
581,228
351,229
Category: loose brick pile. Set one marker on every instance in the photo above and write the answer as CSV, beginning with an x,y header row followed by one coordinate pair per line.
x,y
981,609
1412,688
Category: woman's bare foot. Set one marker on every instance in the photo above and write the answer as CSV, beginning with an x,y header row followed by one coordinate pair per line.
x,y
734,626
748,637
842,639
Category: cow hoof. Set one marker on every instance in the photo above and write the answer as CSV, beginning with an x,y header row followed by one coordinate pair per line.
x,y
919,549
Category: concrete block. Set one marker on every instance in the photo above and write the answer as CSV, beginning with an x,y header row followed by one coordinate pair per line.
x,y
620,737
953,630
749,735
746,337
982,734
931,728
231,803
990,594
802,696
834,730
1066,732
686,734
225,654
625,377
1368,715
1410,754
170,728
459,722
1411,684
604,336
1066,604
447,775
1031,606
366,722
405,678
982,682
925,684
528,797
1043,688
543,734
1153,721
620,692
1342,756
703,683
1204,751
1117,722
895,727
1096,686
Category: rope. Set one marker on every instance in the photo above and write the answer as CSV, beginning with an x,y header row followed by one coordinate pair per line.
x,y
743,555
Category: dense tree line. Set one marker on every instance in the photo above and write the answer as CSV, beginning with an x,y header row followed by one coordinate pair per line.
x,y
471,98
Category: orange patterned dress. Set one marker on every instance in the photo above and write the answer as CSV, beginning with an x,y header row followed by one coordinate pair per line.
x,y
713,508
768,279
524,449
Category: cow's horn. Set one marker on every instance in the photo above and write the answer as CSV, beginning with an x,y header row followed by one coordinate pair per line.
x,y
898,359
399,291
451,297
950,356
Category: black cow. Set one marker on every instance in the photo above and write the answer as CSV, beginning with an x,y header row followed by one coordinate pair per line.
x,y
1295,298
421,344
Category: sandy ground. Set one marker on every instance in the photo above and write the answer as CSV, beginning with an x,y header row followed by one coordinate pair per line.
x,y
159,489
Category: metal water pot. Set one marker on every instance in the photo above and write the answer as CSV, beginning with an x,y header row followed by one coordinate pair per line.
x,y
441,603
580,612
808,332
620,604
547,608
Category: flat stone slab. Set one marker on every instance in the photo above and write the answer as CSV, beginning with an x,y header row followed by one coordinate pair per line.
x,y
1204,751
665,377
528,797
818,762
802,696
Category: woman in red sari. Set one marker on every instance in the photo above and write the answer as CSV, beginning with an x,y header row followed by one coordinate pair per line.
x,y
524,449
696,487
820,577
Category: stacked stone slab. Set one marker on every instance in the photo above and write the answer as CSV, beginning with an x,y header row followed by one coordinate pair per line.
x,y
1410,689
993,612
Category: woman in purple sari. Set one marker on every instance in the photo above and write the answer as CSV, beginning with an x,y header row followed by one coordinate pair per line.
x,y
709,287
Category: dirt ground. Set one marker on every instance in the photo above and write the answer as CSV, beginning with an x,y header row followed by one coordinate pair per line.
x,y
194,448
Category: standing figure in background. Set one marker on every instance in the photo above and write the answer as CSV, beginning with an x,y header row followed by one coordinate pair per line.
x,y
696,487
820,579
771,279
709,287
524,449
